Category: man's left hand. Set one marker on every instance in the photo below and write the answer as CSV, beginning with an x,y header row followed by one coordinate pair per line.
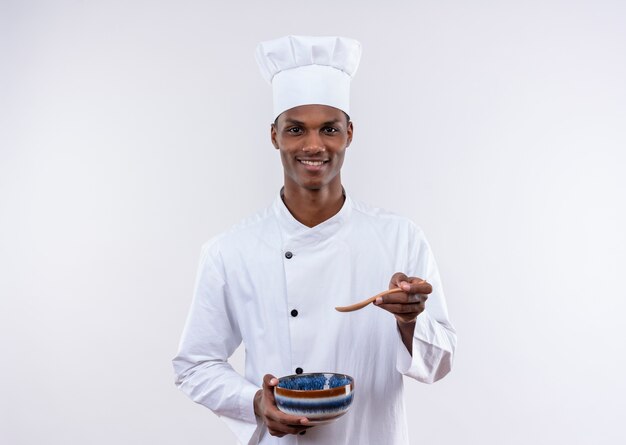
x,y
406,305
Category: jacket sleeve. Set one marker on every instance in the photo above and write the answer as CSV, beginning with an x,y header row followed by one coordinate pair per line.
x,y
434,339
210,337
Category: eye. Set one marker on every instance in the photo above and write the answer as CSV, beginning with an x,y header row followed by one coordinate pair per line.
x,y
330,130
294,130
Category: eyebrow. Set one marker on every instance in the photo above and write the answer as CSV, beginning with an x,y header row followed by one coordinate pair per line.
x,y
293,121
297,122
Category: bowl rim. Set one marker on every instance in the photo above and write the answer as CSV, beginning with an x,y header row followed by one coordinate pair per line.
x,y
315,393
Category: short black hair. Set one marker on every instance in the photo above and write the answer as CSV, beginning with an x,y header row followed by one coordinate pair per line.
x,y
344,113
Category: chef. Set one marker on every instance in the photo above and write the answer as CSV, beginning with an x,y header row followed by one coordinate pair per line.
x,y
272,281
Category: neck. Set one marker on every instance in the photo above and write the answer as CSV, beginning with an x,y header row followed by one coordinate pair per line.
x,y
313,207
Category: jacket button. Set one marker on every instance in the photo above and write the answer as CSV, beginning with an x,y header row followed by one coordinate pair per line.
x,y
294,313
288,255
299,371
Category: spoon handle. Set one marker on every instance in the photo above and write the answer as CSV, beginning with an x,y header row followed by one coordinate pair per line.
x,y
362,304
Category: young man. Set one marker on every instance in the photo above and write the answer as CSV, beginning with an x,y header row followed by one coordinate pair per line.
x,y
273,281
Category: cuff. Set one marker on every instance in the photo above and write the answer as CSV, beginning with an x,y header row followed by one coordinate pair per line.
x,y
248,427
432,353
246,403
405,363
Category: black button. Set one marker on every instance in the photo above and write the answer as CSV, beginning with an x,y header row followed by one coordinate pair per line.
x,y
294,313
299,371
288,255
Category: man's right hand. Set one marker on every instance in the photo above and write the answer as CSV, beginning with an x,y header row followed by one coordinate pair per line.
x,y
278,423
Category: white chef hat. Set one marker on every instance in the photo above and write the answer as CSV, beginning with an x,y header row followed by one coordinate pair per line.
x,y
307,70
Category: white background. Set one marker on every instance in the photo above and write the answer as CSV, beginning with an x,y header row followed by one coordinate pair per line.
x,y
132,132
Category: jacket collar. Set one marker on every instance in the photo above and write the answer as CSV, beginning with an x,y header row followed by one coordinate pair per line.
x,y
294,229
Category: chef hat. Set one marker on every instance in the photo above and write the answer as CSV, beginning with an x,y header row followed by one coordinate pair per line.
x,y
309,70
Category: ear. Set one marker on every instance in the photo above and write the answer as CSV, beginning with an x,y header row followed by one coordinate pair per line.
x,y
273,131
350,132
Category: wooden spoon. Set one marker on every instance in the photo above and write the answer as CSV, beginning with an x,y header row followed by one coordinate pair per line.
x,y
362,304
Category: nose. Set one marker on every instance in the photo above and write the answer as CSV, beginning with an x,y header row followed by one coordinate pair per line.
x,y
313,143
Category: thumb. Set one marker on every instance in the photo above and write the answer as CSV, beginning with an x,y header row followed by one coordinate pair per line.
x,y
269,381
398,278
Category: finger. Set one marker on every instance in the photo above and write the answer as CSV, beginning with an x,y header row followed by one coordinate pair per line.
x,y
395,296
416,285
403,308
275,415
269,381
396,279
417,298
401,298
291,429
279,428
280,433
410,284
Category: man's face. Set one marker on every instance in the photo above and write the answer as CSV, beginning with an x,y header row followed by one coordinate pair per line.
x,y
312,140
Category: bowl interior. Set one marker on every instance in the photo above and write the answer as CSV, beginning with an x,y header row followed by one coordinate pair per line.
x,y
314,381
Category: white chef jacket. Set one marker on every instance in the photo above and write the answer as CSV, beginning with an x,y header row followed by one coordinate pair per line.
x,y
251,281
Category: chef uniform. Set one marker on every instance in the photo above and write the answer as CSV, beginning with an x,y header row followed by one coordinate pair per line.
x,y
272,283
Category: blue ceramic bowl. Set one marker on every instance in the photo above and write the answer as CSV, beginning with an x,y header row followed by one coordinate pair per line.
x,y
321,397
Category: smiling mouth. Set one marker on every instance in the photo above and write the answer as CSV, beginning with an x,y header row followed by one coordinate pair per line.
x,y
314,163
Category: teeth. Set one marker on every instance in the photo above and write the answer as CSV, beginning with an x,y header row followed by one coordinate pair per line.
x,y
312,162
